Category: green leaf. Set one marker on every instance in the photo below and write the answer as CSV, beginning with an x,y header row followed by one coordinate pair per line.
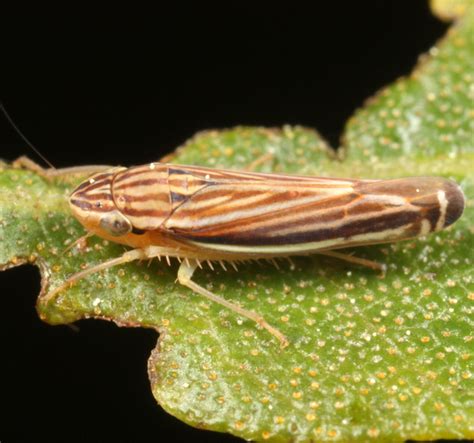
x,y
382,358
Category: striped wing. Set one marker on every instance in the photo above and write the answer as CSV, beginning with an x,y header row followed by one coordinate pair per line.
x,y
278,214
260,214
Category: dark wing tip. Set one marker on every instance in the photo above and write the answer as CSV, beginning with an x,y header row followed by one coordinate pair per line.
x,y
456,202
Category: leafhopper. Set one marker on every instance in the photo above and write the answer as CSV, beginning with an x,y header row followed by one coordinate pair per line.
x,y
204,215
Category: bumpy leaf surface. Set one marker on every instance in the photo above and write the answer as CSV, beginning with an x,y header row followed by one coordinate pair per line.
x,y
383,358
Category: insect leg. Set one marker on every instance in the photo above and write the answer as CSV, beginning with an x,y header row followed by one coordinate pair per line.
x,y
81,241
50,173
357,260
134,254
185,274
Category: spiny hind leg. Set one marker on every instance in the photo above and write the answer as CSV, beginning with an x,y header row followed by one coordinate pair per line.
x,y
51,173
356,260
185,274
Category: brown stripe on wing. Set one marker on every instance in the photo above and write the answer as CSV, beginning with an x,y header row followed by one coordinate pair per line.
x,y
371,211
256,208
311,222
281,225
268,236
260,215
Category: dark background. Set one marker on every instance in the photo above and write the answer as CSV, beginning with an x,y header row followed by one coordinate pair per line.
x,y
128,90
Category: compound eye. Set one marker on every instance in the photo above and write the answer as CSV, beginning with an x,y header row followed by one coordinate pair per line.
x,y
115,224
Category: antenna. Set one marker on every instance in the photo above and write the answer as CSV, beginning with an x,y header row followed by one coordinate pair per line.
x,y
23,137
